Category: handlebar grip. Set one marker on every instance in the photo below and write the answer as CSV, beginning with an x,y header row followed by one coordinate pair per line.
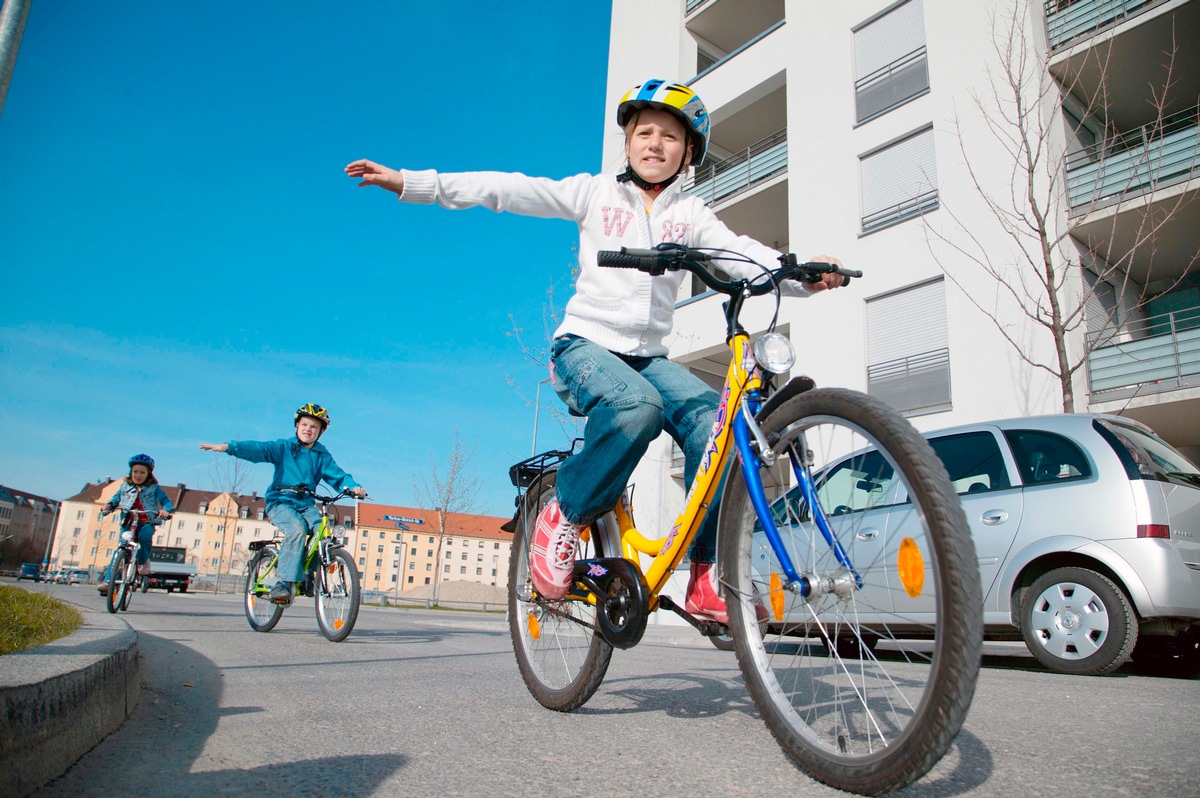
x,y
625,260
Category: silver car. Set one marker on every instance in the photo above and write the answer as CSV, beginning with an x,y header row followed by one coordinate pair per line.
x,y
1087,529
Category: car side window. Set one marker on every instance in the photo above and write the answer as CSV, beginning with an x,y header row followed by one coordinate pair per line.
x,y
857,483
1044,457
973,460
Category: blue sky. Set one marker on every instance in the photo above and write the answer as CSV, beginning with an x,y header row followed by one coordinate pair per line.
x,y
183,260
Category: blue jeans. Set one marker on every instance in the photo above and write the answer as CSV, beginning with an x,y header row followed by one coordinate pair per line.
x,y
628,402
144,535
295,525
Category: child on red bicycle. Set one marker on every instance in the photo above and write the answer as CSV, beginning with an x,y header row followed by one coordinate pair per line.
x,y
300,462
141,499
608,359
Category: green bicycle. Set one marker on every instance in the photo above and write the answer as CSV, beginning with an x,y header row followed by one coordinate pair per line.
x,y
330,577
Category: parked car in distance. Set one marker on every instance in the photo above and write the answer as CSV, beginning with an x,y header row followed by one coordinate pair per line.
x,y
30,570
75,576
1086,527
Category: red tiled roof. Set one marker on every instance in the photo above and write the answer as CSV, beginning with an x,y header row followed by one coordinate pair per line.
x,y
476,526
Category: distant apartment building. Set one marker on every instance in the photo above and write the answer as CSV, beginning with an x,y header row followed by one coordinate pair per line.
x,y
874,131
391,558
26,522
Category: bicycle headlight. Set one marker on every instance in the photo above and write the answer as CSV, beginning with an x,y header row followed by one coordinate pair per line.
x,y
774,352
339,532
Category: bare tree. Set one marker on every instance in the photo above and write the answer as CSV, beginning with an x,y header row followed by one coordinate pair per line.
x,y
230,476
537,352
1051,272
454,491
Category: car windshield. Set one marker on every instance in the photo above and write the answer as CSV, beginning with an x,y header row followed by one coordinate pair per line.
x,y
1152,456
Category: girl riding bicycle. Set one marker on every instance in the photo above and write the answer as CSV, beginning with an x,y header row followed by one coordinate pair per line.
x,y
141,499
608,359
300,461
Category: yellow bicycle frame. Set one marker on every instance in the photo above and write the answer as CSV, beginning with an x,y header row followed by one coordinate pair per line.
x,y
740,378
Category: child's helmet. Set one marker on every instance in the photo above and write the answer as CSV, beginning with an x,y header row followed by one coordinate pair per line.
x,y
314,411
674,98
142,459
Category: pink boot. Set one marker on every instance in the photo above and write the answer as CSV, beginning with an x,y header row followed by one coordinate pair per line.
x,y
552,553
704,600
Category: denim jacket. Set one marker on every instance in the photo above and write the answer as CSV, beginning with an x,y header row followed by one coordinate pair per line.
x,y
294,465
154,498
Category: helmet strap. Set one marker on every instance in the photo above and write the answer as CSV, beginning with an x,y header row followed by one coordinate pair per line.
x,y
630,176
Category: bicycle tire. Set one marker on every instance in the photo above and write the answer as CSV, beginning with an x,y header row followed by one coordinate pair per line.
x,y
338,596
880,722
261,613
116,575
561,656
129,585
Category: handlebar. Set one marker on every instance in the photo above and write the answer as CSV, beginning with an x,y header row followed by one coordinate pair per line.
x,y
305,490
672,257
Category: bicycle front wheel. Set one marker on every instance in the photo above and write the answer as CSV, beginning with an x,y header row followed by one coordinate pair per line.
x,y
116,581
338,596
865,681
129,583
261,612
561,656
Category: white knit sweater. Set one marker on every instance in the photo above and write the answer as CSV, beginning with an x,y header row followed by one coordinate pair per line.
x,y
622,310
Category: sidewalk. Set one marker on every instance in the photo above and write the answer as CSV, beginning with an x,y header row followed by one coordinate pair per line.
x,y
58,701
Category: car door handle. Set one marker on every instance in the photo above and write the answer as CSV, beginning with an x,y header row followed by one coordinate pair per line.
x,y
870,533
994,517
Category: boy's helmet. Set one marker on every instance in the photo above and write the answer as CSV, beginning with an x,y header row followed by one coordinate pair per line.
x,y
142,459
313,411
674,98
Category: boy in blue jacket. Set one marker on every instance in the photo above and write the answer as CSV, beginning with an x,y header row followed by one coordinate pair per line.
x,y
300,462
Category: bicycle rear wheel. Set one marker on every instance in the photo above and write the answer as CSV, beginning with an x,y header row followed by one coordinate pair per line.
x,y
261,612
866,682
561,656
116,580
338,596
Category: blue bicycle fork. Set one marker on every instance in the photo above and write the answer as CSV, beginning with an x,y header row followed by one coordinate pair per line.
x,y
758,497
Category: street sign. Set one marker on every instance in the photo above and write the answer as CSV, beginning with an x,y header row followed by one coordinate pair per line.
x,y
404,519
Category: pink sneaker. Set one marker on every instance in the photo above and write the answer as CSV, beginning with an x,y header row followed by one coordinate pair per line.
x,y
704,600
552,555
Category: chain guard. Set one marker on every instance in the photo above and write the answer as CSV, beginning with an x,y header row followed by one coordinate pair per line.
x,y
622,598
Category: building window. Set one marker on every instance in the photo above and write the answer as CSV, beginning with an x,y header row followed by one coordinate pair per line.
x,y
380,549
363,547
479,572
362,561
79,515
260,514
180,524
203,508
463,570
410,580
889,60
898,181
378,564
464,555
908,348
199,526
444,570
412,566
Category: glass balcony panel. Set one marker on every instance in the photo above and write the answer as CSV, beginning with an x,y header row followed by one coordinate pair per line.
x,y
1142,160
723,179
1162,349
1067,20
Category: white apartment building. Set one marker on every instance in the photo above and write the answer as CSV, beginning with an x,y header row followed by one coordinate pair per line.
x,y
866,130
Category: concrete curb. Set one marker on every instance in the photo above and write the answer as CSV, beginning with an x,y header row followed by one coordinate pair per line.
x,y
58,701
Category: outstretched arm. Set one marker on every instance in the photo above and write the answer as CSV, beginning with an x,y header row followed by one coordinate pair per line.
x,y
214,447
373,174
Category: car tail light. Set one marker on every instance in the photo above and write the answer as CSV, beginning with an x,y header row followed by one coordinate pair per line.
x,y
1154,531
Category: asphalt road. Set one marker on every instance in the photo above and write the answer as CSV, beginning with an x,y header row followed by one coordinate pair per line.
x,y
428,703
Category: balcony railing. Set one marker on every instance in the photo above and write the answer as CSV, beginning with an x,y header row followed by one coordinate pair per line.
x,y
1134,162
913,383
1162,350
723,179
1067,20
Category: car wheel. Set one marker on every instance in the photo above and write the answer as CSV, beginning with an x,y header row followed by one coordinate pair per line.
x,y
1077,621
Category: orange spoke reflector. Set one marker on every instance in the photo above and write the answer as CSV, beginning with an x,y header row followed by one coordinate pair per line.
x,y
331,568
776,596
912,567
535,628
586,534
339,623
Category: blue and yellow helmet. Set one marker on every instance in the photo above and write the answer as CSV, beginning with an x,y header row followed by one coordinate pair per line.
x,y
313,411
674,98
